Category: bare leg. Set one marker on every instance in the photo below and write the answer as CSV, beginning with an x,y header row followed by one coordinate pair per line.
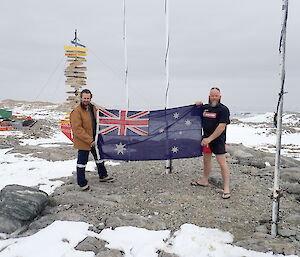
x,y
224,171
206,169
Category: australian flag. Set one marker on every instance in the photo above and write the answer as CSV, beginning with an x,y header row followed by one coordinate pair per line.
x,y
149,135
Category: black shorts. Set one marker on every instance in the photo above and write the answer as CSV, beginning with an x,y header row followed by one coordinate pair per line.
x,y
215,147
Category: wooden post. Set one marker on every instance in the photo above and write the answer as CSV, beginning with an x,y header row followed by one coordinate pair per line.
x,y
75,71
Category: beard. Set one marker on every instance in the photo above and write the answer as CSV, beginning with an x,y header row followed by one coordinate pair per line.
x,y
83,105
214,103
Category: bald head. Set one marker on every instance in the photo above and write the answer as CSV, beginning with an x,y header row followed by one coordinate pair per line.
x,y
214,96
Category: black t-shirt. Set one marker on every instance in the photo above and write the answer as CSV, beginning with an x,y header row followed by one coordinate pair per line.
x,y
212,117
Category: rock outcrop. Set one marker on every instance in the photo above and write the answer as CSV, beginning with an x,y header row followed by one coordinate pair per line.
x,y
19,205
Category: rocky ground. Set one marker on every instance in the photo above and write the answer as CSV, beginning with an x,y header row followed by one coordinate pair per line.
x,y
144,196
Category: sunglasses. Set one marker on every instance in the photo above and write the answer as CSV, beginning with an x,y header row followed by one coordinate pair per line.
x,y
216,88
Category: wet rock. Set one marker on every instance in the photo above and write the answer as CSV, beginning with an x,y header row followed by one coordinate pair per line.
x,y
20,204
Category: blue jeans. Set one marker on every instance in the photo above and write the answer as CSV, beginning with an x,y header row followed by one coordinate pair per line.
x,y
82,159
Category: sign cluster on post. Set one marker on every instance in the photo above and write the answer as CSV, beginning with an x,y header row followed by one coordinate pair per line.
x,y
75,78
75,72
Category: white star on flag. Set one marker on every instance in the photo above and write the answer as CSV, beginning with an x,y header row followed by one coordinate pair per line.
x,y
120,148
161,130
175,149
176,115
188,122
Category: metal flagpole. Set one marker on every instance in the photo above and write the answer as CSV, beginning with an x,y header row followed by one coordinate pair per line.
x,y
276,189
125,53
168,166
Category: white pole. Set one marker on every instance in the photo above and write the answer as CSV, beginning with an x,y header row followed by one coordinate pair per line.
x,y
168,167
167,52
276,189
125,54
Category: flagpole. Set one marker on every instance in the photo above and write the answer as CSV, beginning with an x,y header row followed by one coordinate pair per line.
x,y
125,54
168,167
276,189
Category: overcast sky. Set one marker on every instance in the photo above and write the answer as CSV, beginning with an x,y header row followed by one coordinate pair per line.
x,y
232,44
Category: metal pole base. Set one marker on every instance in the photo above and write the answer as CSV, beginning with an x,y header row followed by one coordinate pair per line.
x,y
168,167
277,194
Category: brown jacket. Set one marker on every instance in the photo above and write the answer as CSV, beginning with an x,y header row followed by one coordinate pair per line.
x,y
81,124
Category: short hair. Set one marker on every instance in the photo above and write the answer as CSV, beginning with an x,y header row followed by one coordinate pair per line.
x,y
216,88
85,91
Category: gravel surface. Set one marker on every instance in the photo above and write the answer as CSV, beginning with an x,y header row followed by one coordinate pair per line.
x,y
144,195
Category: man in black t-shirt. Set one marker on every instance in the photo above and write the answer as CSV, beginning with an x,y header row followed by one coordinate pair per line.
x,y
215,117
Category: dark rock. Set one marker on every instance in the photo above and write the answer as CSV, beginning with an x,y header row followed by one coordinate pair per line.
x,y
91,244
110,253
20,204
164,254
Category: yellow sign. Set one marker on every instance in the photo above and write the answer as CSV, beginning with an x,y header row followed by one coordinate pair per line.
x,y
73,48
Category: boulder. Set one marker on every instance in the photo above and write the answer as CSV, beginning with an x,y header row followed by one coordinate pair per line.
x,y
20,205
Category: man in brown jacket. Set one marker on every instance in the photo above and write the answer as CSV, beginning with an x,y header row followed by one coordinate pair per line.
x,y
83,123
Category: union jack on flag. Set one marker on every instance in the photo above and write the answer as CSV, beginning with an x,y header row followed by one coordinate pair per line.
x,y
149,135
122,121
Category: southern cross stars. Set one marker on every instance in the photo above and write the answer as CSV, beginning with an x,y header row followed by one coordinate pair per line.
x,y
175,149
120,148
176,115
188,122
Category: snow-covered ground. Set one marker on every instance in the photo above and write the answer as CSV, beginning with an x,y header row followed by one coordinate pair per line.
x,y
61,237
258,131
